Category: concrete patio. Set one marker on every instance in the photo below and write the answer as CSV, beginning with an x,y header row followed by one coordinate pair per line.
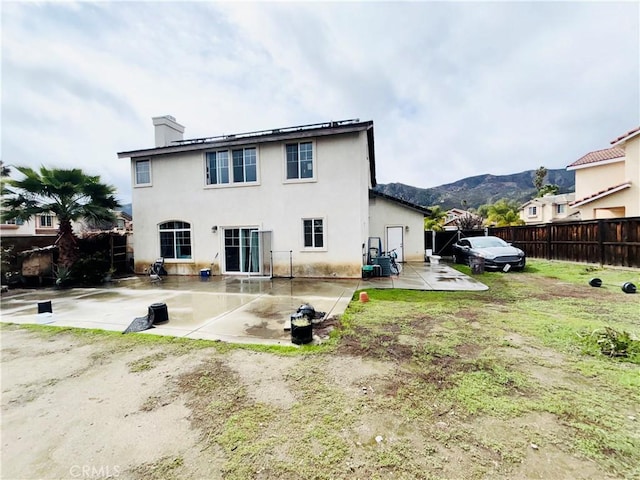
x,y
233,309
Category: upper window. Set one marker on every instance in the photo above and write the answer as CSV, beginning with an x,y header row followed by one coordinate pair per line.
x,y
143,172
243,169
299,160
561,208
46,221
217,167
175,240
533,211
13,221
313,232
244,165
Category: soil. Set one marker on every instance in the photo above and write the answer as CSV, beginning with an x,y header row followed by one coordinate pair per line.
x,y
76,407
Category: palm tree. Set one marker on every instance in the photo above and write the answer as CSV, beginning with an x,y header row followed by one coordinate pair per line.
x,y
435,218
504,213
67,194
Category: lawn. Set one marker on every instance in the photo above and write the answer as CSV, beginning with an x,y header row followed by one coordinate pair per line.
x,y
505,383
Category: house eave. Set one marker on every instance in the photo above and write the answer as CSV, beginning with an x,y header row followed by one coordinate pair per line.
x,y
418,208
596,164
252,138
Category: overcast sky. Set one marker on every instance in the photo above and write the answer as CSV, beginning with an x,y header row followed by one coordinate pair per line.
x,y
455,89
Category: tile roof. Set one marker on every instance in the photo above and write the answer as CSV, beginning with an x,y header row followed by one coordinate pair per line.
x,y
598,156
628,134
600,194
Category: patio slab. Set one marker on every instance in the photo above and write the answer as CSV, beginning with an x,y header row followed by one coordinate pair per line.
x,y
234,309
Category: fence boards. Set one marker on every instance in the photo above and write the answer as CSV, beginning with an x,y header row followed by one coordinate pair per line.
x,y
613,241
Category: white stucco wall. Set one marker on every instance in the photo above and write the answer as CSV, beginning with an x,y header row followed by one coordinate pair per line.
x,y
625,203
385,213
339,195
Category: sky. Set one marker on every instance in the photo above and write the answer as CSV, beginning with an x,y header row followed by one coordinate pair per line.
x,y
455,89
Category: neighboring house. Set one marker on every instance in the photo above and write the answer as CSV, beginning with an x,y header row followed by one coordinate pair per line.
x,y
454,215
284,202
549,208
40,225
608,181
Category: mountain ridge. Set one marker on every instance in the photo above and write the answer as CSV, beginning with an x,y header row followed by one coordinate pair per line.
x,y
472,192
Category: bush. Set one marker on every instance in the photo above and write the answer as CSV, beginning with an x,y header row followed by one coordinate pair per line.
x,y
91,269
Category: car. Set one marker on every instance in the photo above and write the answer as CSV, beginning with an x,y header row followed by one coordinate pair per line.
x,y
497,253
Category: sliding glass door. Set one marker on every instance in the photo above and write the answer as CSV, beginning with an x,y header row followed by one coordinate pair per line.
x,y
242,250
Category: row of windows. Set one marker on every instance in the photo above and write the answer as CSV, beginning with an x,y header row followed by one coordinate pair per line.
x,y
175,237
240,165
44,221
559,208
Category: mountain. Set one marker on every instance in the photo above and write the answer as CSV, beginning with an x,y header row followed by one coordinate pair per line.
x,y
471,192
126,208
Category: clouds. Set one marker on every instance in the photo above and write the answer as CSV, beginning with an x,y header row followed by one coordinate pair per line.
x,y
454,89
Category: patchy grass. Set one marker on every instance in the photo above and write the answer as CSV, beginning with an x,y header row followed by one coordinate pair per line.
x,y
475,377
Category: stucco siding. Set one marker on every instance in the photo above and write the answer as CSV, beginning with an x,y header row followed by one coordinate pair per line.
x,y
337,196
384,213
599,177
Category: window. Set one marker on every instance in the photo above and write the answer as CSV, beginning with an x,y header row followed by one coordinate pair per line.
x,y
313,232
13,221
46,221
561,208
299,160
143,172
175,240
244,165
533,211
217,167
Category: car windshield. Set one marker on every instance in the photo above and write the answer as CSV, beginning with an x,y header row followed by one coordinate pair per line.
x,y
487,242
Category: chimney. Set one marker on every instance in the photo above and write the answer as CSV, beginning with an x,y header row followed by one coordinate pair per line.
x,y
167,130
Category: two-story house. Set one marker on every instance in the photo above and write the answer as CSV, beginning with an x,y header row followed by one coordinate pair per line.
x,y
608,180
283,202
40,225
549,208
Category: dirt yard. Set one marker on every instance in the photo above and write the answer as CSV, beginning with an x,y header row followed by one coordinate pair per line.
x,y
83,407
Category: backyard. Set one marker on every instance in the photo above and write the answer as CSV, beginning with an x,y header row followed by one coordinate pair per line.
x,y
505,383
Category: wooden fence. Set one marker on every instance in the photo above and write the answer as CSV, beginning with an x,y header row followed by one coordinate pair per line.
x,y
613,241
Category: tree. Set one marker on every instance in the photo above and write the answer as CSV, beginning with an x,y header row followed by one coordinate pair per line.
x,y
434,220
538,179
541,187
504,213
68,194
469,221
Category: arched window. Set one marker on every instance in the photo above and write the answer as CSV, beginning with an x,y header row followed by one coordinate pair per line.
x,y
175,239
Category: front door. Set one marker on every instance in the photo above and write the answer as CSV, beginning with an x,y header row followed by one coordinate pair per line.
x,y
395,240
241,250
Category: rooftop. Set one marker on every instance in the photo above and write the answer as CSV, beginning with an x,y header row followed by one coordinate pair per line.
x,y
606,154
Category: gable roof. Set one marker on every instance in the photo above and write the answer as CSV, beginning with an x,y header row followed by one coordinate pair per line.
x,y
605,155
561,198
404,203
626,136
600,194
267,136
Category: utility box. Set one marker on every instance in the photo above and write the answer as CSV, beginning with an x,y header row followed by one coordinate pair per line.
x,y
476,264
